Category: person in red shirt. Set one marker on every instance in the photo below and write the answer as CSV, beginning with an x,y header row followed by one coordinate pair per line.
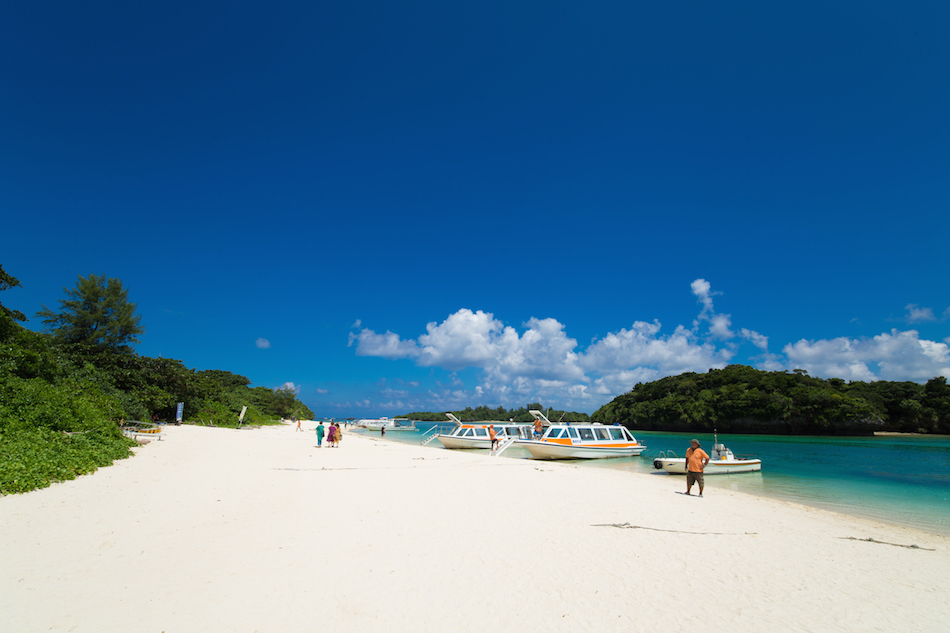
x,y
696,460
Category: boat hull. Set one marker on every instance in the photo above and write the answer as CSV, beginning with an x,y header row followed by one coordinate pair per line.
x,y
455,443
724,467
549,450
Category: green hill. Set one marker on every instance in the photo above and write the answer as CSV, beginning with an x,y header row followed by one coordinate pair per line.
x,y
741,399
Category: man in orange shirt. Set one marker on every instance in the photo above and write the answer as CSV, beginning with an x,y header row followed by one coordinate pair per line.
x,y
492,436
696,460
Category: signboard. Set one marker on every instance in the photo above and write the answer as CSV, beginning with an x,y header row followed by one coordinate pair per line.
x,y
181,406
241,417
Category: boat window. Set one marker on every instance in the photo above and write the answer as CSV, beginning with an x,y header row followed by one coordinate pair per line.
x,y
616,433
465,433
573,432
602,434
550,432
559,433
481,432
627,434
586,434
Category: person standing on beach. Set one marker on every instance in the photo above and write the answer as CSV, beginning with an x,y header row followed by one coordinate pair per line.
x,y
294,418
320,431
696,460
492,436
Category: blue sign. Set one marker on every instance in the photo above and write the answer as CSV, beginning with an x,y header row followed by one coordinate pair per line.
x,y
181,406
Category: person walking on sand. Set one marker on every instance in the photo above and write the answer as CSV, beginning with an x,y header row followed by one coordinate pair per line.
x,y
320,433
331,434
339,434
696,460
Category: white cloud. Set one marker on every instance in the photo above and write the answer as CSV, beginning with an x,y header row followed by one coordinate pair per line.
x,y
356,324
918,315
322,391
760,341
291,386
540,362
702,289
387,345
897,355
262,343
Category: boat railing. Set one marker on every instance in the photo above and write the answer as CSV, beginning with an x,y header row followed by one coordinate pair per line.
x,y
667,455
430,435
504,445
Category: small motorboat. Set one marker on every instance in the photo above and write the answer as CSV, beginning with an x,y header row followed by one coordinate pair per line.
x,y
581,440
722,461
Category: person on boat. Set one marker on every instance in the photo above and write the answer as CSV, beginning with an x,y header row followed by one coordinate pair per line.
x,y
538,428
492,436
696,460
320,433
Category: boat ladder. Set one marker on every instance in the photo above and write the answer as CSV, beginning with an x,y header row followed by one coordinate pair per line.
x,y
430,435
501,447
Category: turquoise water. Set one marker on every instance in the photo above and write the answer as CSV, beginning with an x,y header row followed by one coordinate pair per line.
x,y
897,479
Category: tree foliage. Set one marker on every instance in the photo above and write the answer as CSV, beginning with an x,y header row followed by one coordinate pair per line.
x,y
742,399
97,313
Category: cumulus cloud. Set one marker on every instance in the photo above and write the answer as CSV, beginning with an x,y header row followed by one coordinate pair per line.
x,y
262,343
322,391
290,386
896,356
916,314
542,361
387,345
539,361
760,341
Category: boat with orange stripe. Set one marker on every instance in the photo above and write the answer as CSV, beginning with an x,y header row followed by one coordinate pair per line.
x,y
581,440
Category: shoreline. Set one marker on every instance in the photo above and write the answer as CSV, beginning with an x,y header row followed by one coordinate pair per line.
x,y
220,529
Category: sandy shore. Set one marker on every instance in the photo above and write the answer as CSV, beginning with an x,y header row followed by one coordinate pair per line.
x,y
257,530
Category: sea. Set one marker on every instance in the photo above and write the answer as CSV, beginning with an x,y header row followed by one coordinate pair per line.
x,y
897,479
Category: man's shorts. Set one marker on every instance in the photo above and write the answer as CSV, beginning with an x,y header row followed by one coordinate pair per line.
x,y
694,477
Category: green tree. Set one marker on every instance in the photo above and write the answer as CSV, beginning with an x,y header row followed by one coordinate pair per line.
x,y
6,282
97,313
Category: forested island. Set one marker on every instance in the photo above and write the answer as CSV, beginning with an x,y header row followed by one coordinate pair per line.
x,y
741,399
64,392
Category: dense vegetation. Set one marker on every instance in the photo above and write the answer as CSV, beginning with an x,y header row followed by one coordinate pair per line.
x,y
64,393
740,399
483,413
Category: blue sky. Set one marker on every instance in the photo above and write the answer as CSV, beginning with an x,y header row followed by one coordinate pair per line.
x,y
402,206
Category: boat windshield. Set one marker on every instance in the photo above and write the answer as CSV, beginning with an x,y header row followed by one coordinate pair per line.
x,y
481,432
602,434
616,433
586,433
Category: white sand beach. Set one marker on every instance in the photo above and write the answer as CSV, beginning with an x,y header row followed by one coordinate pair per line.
x,y
258,530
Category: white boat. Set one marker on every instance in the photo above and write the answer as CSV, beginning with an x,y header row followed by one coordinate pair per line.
x,y
402,424
469,435
581,441
376,424
722,461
